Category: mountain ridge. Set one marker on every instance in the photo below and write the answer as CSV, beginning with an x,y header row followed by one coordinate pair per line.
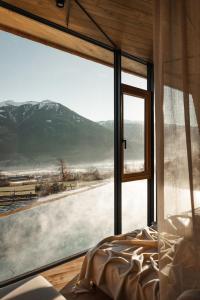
x,y
43,132
47,131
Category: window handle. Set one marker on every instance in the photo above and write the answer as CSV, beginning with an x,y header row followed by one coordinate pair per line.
x,y
124,143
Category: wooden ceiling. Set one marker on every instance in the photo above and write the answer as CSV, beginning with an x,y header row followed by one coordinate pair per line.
x,y
128,23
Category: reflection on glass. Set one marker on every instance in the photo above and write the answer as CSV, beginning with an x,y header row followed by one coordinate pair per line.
x,y
134,134
134,205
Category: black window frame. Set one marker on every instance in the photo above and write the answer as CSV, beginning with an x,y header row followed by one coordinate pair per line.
x,y
118,54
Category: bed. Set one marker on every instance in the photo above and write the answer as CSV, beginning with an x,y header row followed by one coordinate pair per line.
x,y
123,266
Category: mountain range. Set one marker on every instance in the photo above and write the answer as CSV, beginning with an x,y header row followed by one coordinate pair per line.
x,y
43,132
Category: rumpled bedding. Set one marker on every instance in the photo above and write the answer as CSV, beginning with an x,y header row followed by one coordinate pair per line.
x,y
125,267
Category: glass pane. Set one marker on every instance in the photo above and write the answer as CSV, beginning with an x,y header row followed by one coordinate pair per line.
x,y
134,80
134,205
56,155
134,134
130,77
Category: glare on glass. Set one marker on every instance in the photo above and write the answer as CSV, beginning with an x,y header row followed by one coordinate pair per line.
x,y
134,205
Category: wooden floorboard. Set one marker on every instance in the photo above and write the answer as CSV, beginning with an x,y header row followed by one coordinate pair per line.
x,y
60,276
63,278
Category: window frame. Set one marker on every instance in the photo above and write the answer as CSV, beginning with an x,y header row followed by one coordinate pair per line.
x,y
146,96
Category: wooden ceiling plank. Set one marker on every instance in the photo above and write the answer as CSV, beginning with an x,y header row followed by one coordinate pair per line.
x,y
131,28
120,12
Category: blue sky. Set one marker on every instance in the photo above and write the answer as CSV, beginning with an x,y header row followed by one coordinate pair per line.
x,y
34,72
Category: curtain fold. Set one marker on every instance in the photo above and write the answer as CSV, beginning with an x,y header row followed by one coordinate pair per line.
x,y
177,107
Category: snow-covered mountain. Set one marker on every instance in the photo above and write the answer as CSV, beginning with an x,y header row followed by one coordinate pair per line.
x,y
14,103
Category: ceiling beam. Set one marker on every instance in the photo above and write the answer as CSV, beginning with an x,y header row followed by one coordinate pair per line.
x,y
96,24
68,5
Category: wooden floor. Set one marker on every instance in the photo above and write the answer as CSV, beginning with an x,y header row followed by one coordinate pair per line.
x,y
63,279
60,276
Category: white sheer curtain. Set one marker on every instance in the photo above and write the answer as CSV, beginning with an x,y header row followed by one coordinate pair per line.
x,y
177,97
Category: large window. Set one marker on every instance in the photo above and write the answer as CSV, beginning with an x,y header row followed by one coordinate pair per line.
x,y
56,155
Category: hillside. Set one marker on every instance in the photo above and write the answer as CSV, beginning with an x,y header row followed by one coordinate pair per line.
x,y
39,133
42,132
